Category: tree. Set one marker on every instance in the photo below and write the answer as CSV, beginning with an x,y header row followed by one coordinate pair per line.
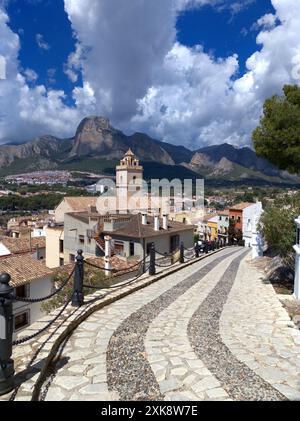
x,y
277,224
92,276
278,136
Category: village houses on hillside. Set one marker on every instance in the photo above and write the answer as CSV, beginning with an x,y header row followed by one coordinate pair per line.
x,y
81,223
34,247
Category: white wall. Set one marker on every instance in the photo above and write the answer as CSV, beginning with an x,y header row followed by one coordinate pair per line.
x,y
251,214
36,289
4,250
53,236
38,232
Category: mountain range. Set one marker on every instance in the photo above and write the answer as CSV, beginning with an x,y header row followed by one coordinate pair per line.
x,y
97,146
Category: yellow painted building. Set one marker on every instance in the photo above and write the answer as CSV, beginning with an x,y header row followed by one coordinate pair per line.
x,y
212,224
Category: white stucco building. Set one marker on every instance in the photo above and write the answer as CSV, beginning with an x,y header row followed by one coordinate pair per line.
x,y
251,217
30,278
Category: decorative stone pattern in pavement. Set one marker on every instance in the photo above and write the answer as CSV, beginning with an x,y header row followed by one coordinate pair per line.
x,y
177,369
259,332
226,368
128,370
90,363
240,382
30,358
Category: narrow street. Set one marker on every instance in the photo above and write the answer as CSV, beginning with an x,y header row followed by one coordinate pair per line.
x,y
211,331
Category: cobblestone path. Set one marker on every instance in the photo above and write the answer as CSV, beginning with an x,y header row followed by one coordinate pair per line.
x,y
185,337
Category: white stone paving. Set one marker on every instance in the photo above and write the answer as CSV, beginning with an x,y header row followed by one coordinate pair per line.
x,y
103,324
170,354
254,326
259,332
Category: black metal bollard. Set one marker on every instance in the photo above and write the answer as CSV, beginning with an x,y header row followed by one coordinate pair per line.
x,y
152,268
7,370
78,299
197,250
181,259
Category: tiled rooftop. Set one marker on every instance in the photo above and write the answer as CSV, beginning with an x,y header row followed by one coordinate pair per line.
x,y
23,245
24,269
135,228
79,204
241,206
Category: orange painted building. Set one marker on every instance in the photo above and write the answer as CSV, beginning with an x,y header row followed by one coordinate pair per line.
x,y
236,214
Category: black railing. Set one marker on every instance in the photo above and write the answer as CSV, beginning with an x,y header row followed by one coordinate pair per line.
x,y
7,297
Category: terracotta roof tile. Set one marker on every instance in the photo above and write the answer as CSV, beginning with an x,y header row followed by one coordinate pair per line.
x,y
23,245
24,269
241,206
208,216
81,204
224,212
134,228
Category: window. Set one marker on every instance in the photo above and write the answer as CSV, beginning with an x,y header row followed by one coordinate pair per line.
x,y
81,239
249,227
61,246
174,243
21,291
298,236
131,249
21,320
119,248
239,219
72,258
61,262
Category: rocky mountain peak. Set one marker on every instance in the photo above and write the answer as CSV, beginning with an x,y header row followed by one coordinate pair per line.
x,y
95,136
224,166
94,124
201,160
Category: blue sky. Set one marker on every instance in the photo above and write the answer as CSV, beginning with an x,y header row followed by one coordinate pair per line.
x,y
47,18
221,33
174,69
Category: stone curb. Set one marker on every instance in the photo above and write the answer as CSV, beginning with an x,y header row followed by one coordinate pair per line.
x,y
92,308
75,323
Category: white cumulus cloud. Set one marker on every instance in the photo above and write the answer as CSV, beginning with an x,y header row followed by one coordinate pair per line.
x,y
135,72
145,80
25,111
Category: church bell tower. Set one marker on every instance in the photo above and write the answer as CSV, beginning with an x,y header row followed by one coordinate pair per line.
x,y
129,177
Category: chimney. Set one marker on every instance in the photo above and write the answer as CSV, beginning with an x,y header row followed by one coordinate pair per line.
x,y
107,239
165,222
156,223
144,219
